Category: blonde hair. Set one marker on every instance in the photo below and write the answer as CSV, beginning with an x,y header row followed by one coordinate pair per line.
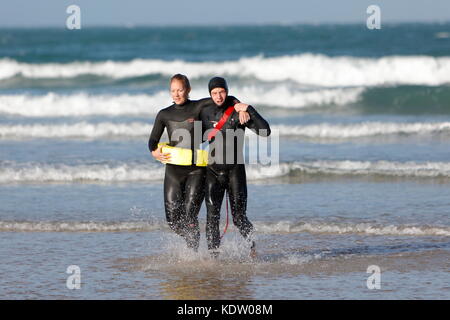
x,y
183,79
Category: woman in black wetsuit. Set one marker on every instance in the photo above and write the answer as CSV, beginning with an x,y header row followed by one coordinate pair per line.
x,y
184,187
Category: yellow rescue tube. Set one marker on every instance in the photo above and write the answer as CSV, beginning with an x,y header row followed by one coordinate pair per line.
x,y
183,156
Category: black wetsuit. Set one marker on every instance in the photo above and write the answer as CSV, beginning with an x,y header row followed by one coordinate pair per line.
x,y
183,185
228,173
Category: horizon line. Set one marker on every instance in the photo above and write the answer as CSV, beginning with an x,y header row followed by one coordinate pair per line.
x,y
226,24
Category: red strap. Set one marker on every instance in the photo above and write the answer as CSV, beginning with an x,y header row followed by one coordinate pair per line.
x,y
221,122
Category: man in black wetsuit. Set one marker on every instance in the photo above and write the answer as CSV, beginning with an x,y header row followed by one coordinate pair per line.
x,y
226,168
183,184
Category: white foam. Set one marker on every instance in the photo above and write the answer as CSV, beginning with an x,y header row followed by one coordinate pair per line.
x,y
287,97
388,168
347,167
293,259
76,226
81,104
43,173
76,130
350,228
137,172
312,69
365,129
106,130
230,244
55,105
442,35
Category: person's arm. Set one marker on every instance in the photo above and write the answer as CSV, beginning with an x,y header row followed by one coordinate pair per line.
x,y
244,117
204,119
205,101
155,136
234,99
231,100
199,104
256,123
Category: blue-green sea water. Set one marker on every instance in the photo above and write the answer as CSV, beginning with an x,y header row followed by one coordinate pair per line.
x,y
361,118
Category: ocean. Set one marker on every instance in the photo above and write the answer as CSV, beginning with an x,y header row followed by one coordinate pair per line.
x,y
357,207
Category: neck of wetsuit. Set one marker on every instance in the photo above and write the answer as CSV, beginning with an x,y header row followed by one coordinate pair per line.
x,y
223,107
226,104
181,106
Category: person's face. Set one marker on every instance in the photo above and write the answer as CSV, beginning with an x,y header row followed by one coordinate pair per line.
x,y
218,95
178,92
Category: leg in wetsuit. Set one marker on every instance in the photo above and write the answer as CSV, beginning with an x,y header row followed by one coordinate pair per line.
x,y
183,196
231,178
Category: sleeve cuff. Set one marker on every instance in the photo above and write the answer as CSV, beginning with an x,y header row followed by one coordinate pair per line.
x,y
152,145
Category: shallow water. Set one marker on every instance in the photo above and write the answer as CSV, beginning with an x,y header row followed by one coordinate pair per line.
x,y
156,266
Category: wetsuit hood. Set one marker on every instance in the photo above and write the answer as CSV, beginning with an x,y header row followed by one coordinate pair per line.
x,y
217,82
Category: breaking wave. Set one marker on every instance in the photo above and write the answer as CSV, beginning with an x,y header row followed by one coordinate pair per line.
x,y
277,227
141,172
311,69
107,130
81,104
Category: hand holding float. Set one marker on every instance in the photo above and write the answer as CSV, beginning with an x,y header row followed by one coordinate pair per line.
x,y
160,156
